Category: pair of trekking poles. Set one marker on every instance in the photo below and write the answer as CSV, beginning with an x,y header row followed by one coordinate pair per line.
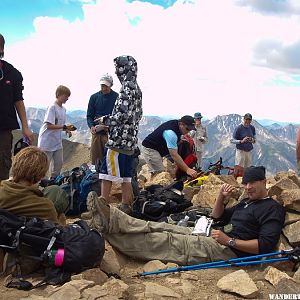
x,y
292,255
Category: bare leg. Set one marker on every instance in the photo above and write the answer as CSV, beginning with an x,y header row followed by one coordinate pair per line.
x,y
105,189
126,193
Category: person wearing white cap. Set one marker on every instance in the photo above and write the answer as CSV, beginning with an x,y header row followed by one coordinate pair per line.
x,y
100,104
200,137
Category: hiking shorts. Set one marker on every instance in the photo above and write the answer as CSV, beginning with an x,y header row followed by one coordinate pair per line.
x,y
153,160
243,158
116,166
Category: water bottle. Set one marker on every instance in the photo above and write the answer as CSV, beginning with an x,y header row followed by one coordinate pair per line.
x,y
56,257
183,222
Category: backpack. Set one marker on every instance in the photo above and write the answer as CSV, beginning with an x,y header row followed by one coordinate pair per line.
x,y
186,150
77,183
72,248
156,202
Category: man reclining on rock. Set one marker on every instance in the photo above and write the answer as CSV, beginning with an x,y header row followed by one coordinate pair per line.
x,y
254,227
21,195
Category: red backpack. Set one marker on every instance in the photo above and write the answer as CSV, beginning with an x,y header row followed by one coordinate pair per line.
x,y
186,149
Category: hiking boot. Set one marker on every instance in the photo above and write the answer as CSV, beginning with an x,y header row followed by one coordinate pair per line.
x,y
125,208
98,213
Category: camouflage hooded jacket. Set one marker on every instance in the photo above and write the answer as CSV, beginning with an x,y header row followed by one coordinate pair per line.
x,y
124,121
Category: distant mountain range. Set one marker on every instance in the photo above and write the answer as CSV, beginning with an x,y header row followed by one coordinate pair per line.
x,y
275,146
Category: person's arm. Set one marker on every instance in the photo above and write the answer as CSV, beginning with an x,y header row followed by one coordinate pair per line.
x,y
204,138
91,114
249,246
181,164
20,107
171,140
225,191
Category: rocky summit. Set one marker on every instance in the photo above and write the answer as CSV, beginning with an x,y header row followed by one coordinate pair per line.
x,y
115,277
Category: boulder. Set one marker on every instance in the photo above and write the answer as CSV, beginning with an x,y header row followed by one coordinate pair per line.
x,y
290,199
292,232
273,275
283,184
240,283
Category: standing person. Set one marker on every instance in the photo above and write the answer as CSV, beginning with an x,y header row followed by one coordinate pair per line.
x,y
164,141
11,96
50,139
100,104
200,137
298,151
123,125
243,138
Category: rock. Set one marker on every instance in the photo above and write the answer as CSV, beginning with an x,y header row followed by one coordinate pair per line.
x,y
283,184
292,232
290,175
290,199
70,290
110,263
163,178
273,275
291,218
287,286
186,287
95,275
190,191
297,275
171,265
116,287
156,291
95,292
154,265
205,198
189,276
240,283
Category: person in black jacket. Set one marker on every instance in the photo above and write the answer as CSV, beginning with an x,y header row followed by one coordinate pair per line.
x,y
11,96
164,141
253,226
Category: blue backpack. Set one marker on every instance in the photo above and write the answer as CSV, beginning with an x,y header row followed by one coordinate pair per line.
x,y
77,183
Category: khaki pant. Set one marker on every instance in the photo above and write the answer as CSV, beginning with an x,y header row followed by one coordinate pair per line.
x,y
6,139
168,243
97,148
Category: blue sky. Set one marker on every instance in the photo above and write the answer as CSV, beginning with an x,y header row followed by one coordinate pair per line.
x,y
217,57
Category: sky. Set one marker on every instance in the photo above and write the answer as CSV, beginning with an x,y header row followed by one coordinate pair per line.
x,y
211,56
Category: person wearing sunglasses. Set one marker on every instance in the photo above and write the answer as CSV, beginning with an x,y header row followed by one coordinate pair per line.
x,y
11,96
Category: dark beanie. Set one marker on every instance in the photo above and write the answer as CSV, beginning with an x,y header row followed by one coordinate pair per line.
x,y
252,174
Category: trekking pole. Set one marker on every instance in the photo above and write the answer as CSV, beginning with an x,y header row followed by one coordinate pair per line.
x,y
292,254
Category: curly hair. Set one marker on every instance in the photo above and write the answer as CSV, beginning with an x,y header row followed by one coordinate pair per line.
x,y
30,164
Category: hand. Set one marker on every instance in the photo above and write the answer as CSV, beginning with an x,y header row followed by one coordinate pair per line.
x,y
191,172
99,120
28,133
226,190
93,130
220,237
101,127
71,127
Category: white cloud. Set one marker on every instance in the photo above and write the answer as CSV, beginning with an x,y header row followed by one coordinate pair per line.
x,y
192,57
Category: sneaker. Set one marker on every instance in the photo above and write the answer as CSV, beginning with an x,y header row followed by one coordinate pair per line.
x,y
98,213
125,208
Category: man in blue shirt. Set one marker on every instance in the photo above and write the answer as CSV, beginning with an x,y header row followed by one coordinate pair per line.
x,y
244,138
163,141
100,104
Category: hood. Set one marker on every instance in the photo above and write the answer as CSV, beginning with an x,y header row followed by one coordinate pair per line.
x,y
16,189
126,68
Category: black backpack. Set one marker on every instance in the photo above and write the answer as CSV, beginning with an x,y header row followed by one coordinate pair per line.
x,y
157,202
79,246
